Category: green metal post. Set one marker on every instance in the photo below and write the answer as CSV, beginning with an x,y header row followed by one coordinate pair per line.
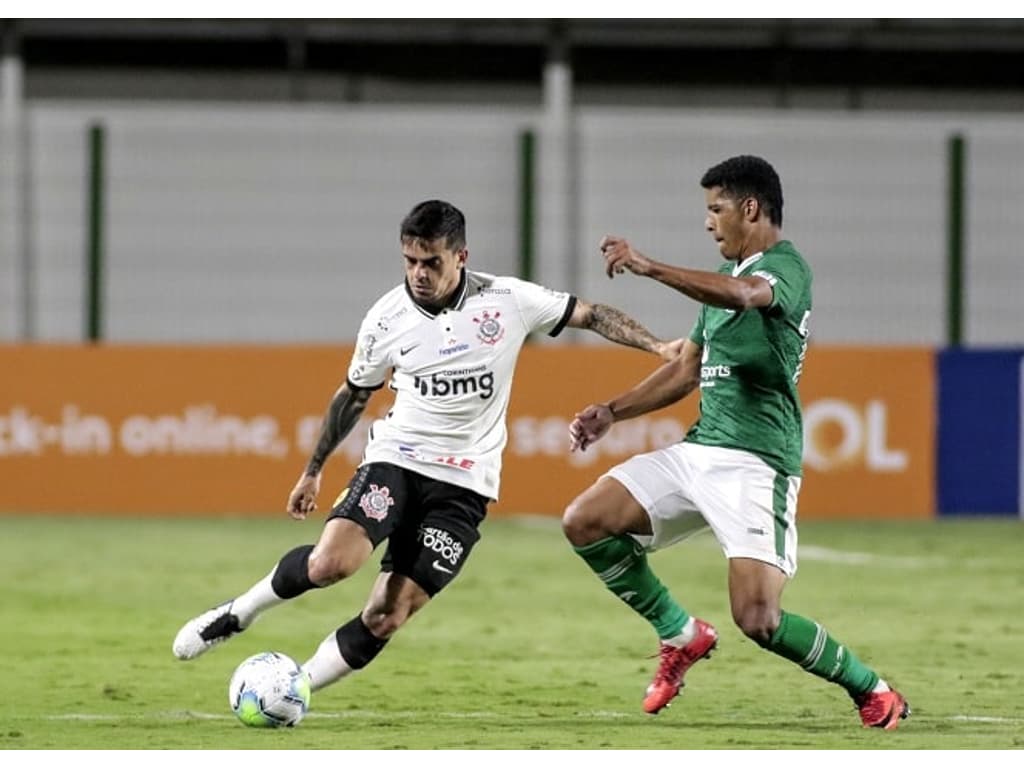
x,y
527,151
955,242
94,250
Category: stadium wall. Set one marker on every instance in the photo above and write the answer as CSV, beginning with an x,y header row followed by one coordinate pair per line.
x,y
277,224
207,430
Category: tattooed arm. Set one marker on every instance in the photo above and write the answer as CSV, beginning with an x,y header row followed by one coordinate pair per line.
x,y
615,325
344,411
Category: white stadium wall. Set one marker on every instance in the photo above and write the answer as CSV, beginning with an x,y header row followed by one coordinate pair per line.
x,y
279,223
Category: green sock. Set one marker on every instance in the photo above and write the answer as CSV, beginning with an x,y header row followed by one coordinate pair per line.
x,y
808,644
620,562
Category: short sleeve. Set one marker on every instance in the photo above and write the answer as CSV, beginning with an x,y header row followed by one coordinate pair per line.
x,y
368,367
543,309
787,278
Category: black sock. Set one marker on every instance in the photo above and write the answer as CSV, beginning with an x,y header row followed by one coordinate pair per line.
x,y
357,644
291,578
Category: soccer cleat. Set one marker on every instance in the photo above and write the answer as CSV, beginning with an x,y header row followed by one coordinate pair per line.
x,y
882,710
205,631
674,663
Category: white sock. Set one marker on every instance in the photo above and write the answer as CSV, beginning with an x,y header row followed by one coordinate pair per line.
x,y
327,665
687,634
881,687
259,598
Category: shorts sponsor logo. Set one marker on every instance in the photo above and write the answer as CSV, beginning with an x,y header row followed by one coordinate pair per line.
x,y
442,543
376,502
438,567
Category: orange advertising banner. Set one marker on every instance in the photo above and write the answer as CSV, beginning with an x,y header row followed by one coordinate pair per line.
x,y
226,430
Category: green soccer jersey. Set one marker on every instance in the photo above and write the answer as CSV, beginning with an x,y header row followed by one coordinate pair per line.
x,y
752,361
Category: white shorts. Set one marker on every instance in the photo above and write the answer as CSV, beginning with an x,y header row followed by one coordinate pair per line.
x,y
686,487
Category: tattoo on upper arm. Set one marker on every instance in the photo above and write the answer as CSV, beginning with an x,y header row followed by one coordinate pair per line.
x,y
342,414
615,325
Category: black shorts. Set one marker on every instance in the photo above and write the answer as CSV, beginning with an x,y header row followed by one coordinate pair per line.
x,y
430,525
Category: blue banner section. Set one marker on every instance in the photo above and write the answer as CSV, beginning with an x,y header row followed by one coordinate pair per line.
x,y
979,432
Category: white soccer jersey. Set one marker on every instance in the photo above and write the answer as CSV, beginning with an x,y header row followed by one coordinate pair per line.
x,y
452,374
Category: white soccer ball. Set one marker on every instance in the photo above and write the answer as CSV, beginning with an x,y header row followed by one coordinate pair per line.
x,y
269,690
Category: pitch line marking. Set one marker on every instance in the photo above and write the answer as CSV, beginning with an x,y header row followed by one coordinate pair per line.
x,y
370,714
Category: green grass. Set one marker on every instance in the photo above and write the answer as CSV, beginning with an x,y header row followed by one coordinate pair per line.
x,y
525,651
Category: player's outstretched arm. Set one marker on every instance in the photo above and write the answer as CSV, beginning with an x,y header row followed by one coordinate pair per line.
x,y
615,325
714,288
343,413
670,383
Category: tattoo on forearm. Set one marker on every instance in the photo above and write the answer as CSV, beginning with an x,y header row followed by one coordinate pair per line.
x,y
342,414
619,327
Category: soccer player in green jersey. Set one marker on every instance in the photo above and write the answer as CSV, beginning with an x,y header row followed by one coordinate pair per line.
x,y
738,469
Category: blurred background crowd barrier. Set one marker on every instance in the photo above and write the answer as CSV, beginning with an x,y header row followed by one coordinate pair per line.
x,y
186,206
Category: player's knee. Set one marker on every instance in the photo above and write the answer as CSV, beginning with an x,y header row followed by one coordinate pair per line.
x,y
384,624
580,525
326,568
758,621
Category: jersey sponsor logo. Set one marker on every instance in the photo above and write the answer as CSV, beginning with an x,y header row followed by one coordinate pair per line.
x,y
407,349
451,350
376,502
365,348
772,279
497,291
455,461
490,331
710,373
446,385
442,543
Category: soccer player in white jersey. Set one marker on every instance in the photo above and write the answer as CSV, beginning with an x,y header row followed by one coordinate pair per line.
x,y
450,338
738,469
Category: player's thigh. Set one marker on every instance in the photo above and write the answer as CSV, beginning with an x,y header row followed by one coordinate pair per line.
x,y
750,507
606,508
431,546
660,483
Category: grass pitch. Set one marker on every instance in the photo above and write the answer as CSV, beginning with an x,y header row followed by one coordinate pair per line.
x,y
526,650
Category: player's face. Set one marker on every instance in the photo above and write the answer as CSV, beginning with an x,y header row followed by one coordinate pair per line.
x,y
726,223
432,270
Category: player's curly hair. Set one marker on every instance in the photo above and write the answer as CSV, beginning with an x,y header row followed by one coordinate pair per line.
x,y
432,220
748,176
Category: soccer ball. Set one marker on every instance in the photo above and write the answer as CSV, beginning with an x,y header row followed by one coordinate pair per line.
x,y
269,690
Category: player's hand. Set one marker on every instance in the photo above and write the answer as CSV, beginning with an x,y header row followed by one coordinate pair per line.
x,y
302,500
619,256
670,350
589,426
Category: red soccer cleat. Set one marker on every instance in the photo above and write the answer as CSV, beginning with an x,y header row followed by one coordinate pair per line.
x,y
882,710
674,663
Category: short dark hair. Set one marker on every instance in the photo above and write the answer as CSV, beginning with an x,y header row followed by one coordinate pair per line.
x,y
748,176
434,219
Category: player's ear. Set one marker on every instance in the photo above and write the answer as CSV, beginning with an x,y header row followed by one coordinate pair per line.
x,y
751,207
463,255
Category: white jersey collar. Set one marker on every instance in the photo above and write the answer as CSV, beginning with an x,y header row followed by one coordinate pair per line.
x,y
755,257
456,301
